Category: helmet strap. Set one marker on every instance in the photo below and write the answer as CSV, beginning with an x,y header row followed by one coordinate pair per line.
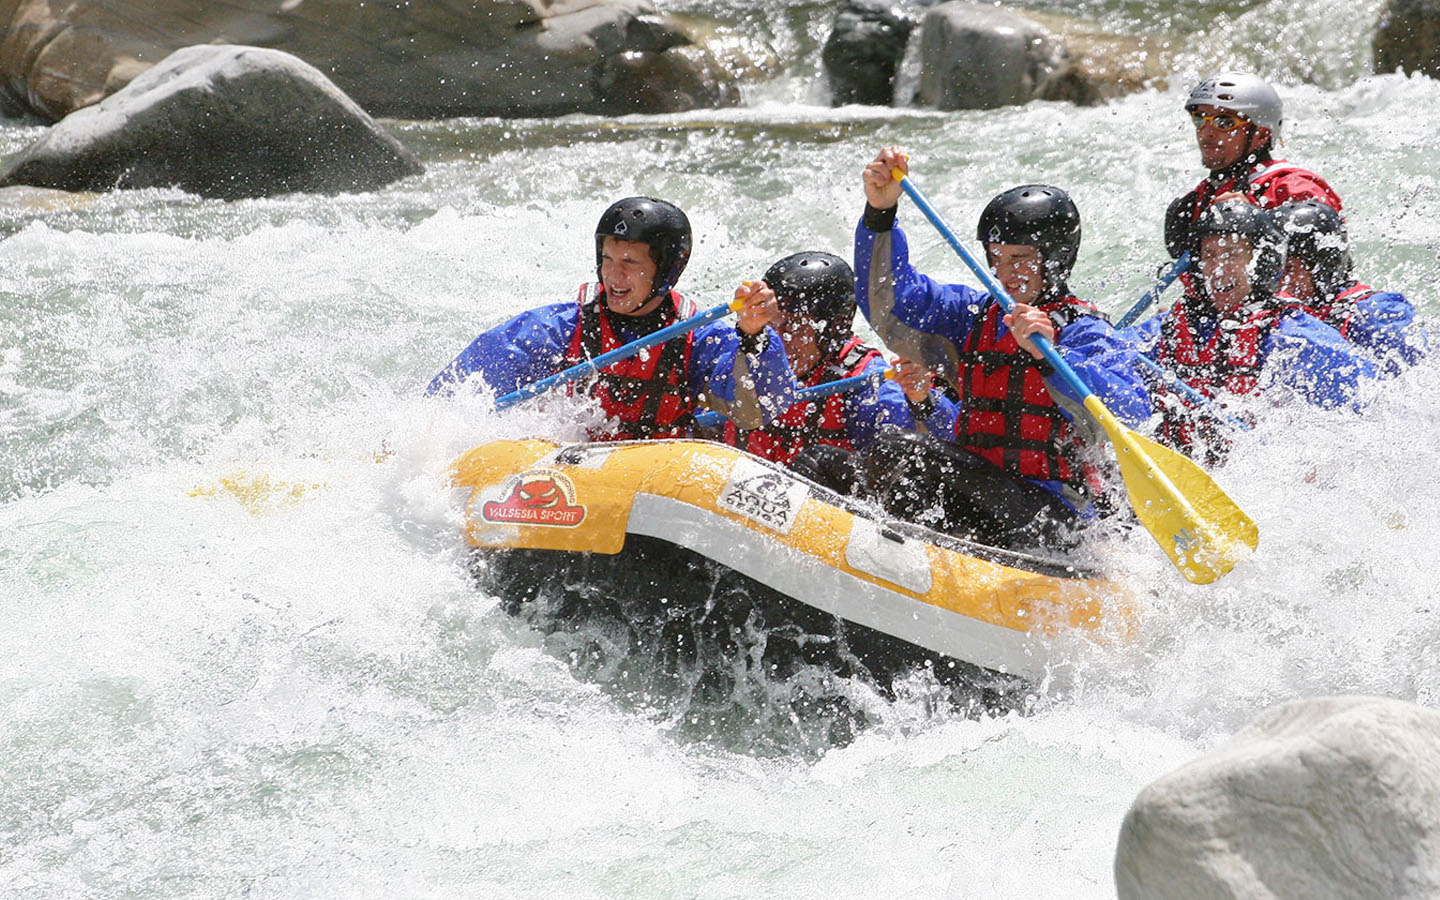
x,y
1252,155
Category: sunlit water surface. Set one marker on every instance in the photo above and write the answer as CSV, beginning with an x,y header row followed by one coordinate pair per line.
x,y
305,696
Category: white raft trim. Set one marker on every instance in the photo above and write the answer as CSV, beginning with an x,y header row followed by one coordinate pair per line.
x,y
830,590
897,560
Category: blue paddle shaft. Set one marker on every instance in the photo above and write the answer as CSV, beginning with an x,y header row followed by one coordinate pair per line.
x,y
1191,394
1047,349
1040,341
1154,293
709,418
581,369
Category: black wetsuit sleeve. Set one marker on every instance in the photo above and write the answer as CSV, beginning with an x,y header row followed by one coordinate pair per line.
x,y
880,219
752,343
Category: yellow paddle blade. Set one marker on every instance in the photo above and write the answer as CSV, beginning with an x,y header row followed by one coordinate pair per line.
x,y
1203,531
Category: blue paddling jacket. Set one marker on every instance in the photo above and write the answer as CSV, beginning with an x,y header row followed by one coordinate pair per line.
x,y
1009,409
1382,323
650,394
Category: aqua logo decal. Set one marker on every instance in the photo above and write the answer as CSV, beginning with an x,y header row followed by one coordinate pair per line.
x,y
763,495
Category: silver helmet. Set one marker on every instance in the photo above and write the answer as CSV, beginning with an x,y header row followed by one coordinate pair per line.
x,y
1249,95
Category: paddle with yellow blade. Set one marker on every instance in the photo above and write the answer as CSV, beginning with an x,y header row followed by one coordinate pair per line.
x,y
1203,531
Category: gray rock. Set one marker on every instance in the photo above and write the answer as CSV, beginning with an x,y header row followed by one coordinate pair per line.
x,y
220,121
412,59
685,78
1334,798
864,50
1100,65
983,57
1407,38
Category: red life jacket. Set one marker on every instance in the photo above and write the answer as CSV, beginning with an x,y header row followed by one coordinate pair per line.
x,y
1268,184
808,422
1007,414
1227,362
649,392
1338,312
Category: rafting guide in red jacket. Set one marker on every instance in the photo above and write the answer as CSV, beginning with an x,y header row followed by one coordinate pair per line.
x,y
1238,119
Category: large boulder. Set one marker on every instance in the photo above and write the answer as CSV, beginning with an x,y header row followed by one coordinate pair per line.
x,y
1336,798
983,57
1408,37
864,51
416,59
684,78
1101,65
219,121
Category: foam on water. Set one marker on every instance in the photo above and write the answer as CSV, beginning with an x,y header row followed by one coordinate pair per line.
x,y
275,693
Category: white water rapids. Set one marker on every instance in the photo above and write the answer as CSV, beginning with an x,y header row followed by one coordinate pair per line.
x,y
309,698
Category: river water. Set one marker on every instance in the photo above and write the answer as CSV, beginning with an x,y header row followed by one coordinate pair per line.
x,y
241,657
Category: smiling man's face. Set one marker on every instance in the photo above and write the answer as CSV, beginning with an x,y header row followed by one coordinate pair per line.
x,y
1225,269
628,272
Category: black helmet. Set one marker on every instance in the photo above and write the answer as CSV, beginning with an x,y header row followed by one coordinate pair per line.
x,y
1315,234
657,223
1248,220
819,286
1040,216
1180,226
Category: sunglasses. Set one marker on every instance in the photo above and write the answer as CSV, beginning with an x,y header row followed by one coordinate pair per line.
x,y
1221,121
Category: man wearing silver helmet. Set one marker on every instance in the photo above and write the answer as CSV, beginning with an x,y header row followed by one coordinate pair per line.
x,y
1237,118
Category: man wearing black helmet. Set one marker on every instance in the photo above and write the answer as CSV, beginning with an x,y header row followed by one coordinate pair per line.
x,y
1235,336
641,247
1318,274
1237,118
816,294
1017,464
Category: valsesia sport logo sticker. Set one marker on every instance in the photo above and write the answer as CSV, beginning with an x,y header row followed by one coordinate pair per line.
x,y
537,497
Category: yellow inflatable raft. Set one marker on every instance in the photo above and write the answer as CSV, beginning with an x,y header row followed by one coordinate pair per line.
x,y
546,507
